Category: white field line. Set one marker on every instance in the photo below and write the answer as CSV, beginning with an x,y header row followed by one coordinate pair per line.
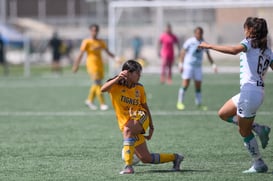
x,y
101,113
34,84
38,84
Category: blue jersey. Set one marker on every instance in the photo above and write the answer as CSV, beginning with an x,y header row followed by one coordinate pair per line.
x,y
194,55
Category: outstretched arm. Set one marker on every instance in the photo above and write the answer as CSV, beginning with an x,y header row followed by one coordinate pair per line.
x,y
107,86
151,125
224,49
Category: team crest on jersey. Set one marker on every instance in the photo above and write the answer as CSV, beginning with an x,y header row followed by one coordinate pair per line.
x,y
123,90
137,93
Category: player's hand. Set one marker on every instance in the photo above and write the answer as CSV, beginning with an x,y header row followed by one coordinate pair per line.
x,y
118,60
215,69
180,67
148,137
123,75
75,68
204,45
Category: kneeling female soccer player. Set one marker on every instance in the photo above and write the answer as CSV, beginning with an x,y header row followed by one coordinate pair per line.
x,y
133,116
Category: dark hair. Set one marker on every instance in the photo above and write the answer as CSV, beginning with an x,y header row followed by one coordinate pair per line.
x,y
199,28
131,66
258,32
94,26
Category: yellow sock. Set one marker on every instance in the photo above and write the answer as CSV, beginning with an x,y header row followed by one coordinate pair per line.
x,y
99,94
129,149
162,158
166,157
92,93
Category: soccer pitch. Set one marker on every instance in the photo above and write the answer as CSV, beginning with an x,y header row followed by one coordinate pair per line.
x,y
46,132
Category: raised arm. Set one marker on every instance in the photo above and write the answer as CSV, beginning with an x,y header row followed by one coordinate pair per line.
x,y
107,86
233,50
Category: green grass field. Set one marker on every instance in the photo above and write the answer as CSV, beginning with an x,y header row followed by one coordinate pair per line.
x,y
46,132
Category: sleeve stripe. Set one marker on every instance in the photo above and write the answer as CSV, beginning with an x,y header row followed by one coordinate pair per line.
x,y
244,46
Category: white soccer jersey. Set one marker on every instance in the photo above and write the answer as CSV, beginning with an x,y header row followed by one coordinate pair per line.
x,y
194,55
253,66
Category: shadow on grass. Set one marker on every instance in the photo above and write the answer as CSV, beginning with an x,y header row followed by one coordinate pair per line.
x,y
181,171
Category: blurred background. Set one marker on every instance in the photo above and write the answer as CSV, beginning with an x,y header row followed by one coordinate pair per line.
x,y
27,26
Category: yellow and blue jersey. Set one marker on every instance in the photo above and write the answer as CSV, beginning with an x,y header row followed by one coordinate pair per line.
x,y
128,102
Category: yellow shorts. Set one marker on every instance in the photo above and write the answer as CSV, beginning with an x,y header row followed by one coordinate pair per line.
x,y
144,120
139,140
95,75
142,117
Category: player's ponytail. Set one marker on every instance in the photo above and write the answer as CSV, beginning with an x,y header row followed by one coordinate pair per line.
x,y
258,32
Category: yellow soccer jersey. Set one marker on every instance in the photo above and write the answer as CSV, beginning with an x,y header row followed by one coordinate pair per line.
x,y
93,49
127,102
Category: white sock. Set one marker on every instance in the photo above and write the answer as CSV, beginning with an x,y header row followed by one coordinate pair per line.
x,y
251,145
198,98
181,95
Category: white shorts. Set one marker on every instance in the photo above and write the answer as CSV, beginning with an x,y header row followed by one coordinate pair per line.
x,y
248,102
191,72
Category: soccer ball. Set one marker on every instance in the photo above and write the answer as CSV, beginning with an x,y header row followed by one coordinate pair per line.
x,y
136,160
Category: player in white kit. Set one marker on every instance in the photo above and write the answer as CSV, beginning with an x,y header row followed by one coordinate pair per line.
x,y
241,109
190,66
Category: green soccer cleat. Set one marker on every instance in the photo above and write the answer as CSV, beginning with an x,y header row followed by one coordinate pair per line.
x,y
263,133
202,108
180,106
